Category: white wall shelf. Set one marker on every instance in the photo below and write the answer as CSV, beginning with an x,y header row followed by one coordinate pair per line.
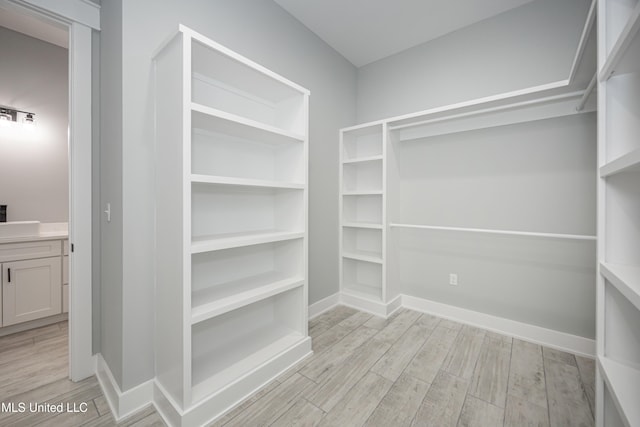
x,y
231,227
362,225
438,122
625,278
235,240
242,182
232,295
208,118
363,159
623,383
624,56
366,256
629,162
363,193
489,231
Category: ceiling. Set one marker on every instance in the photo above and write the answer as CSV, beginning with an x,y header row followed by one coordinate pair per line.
x,y
364,31
33,27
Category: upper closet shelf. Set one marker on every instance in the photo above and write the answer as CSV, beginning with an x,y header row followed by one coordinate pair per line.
x,y
625,278
624,56
218,121
242,182
630,162
501,111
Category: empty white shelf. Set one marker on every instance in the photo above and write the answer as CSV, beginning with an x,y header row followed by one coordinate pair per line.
x,y
363,159
362,225
363,291
243,182
490,231
221,365
214,120
623,383
363,193
235,240
220,299
367,256
625,278
630,162
625,53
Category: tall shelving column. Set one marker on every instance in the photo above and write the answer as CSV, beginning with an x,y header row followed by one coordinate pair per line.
x,y
618,319
362,216
231,227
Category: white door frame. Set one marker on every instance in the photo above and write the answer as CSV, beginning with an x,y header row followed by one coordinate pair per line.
x,y
81,17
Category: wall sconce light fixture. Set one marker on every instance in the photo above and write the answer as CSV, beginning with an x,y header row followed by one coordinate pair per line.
x,y
9,115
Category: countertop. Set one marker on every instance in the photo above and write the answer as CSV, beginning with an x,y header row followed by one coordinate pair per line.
x,y
47,231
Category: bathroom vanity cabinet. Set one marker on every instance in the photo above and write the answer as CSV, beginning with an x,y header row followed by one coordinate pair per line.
x,y
34,280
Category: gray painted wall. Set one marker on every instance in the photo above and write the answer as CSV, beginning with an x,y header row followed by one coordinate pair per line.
x,y
34,166
111,239
527,46
538,176
260,30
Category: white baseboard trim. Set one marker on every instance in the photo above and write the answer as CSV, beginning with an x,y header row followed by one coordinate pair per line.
x,y
376,308
536,334
122,403
325,304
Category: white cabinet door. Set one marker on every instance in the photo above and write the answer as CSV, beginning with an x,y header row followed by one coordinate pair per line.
x,y
31,289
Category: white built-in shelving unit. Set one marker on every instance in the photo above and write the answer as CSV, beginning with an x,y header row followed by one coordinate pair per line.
x,y
363,215
618,318
231,227
369,183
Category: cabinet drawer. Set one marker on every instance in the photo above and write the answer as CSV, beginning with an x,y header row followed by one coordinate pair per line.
x,y
29,250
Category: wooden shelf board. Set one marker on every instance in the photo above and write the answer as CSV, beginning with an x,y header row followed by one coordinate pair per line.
x,y
244,182
220,366
629,162
236,240
363,193
222,298
625,278
361,290
625,53
366,256
362,225
363,159
215,120
623,383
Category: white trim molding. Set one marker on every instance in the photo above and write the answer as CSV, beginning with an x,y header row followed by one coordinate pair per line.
x,y
525,331
122,403
83,12
376,308
532,333
319,307
80,17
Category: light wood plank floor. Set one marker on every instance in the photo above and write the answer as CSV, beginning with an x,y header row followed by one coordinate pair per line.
x,y
410,370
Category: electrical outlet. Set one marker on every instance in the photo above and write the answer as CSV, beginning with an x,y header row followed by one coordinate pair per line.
x,y
453,279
